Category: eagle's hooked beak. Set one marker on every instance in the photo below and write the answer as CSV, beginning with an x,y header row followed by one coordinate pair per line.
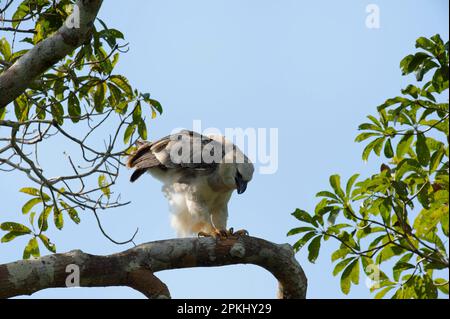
x,y
241,185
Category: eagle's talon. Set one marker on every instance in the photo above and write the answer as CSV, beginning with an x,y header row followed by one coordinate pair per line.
x,y
240,233
222,234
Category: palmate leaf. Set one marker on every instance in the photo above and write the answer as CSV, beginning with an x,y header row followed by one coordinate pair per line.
x,y
79,84
407,137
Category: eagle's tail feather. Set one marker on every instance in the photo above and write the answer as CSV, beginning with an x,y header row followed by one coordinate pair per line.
x,y
142,159
136,174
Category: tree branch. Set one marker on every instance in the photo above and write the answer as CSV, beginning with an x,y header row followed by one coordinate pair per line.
x,y
135,267
70,36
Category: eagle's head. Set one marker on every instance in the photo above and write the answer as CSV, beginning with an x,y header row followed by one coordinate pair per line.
x,y
236,169
244,174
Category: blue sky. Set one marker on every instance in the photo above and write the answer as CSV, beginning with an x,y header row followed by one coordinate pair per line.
x,y
312,69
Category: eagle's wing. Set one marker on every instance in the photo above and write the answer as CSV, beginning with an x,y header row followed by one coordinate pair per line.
x,y
158,154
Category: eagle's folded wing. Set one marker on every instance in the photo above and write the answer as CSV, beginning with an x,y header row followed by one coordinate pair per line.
x,y
158,154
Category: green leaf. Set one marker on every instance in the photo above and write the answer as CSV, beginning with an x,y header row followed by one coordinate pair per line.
x,y
436,158
299,230
2,113
350,183
327,194
335,182
427,220
422,151
31,249
371,146
15,227
349,275
156,105
128,133
401,188
30,204
340,253
302,216
103,184
401,265
445,223
354,275
122,83
31,218
388,252
57,111
341,265
313,249
34,192
369,126
137,113
425,44
404,144
142,129
364,136
43,217
99,97
383,292
49,245
388,151
74,107
442,285
71,211
58,218
11,235
301,242
5,49
20,13
404,63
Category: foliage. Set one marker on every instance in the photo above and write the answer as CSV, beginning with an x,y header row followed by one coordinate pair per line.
x,y
72,100
399,215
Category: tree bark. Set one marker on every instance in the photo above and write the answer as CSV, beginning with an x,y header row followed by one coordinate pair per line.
x,y
135,267
76,31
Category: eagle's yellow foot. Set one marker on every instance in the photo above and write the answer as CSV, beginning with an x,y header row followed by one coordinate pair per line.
x,y
224,234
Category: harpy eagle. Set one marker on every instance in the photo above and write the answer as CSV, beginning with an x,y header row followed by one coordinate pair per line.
x,y
199,173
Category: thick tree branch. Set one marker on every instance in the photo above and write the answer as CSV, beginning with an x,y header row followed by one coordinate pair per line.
x,y
70,36
135,267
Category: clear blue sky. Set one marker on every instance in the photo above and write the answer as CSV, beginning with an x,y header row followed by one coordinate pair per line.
x,y
309,68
